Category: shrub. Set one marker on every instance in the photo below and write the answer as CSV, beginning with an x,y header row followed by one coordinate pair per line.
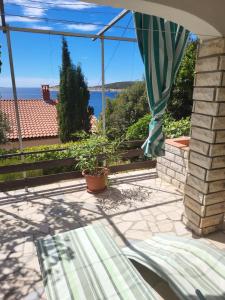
x,y
171,127
139,130
4,128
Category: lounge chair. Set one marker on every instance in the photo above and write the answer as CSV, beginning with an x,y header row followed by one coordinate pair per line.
x,y
87,264
193,269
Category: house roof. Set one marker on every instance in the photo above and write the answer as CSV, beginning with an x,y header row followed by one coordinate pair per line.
x,y
38,118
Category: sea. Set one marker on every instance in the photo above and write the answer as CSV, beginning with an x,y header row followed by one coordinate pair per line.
x,y
35,93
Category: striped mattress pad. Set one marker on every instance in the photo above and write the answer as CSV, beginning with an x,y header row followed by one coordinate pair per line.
x,y
87,264
193,269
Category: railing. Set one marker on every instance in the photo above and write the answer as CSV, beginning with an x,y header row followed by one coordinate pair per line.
x,y
125,155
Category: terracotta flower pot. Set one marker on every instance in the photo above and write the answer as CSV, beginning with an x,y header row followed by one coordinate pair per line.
x,y
96,183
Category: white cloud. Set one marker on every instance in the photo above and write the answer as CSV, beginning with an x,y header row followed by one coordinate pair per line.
x,y
75,5
83,27
20,19
33,11
39,9
28,81
41,27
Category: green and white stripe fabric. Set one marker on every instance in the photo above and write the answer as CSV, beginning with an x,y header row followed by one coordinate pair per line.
x,y
161,44
193,269
86,264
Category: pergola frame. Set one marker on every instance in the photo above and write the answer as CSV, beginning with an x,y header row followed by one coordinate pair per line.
x,y
100,35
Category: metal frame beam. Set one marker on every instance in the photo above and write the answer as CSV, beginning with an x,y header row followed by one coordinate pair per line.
x,y
101,36
111,23
66,33
7,32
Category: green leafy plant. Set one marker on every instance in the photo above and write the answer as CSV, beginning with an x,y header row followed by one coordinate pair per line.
x,y
4,128
171,127
91,153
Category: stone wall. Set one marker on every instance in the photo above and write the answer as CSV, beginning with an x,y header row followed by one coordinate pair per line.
x,y
173,166
204,198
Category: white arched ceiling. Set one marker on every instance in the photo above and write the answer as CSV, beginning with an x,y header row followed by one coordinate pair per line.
x,y
206,18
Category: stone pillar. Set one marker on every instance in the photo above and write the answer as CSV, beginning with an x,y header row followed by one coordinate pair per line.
x,y
204,193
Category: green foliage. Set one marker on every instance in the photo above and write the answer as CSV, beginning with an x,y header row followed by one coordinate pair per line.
x,y
90,153
132,104
116,85
4,128
74,113
171,127
176,128
139,130
126,109
180,102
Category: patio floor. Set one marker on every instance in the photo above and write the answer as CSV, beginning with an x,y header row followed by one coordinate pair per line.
x,y
136,206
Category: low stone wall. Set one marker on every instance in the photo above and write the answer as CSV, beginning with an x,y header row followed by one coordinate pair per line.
x,y
173,166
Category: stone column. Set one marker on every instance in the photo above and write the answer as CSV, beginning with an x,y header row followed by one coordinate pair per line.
x,y
204,193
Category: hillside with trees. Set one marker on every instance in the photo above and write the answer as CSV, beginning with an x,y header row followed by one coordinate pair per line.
x,y
121,85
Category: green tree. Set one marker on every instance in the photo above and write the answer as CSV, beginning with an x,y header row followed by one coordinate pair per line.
x,y
126,109
132,104
180,102
4,128
74,112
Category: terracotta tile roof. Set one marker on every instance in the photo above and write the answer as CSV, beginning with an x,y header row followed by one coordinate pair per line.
x,y
38,118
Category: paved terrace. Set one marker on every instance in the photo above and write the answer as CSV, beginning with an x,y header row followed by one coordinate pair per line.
x,y
136,206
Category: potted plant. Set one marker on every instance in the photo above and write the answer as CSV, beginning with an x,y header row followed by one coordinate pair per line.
x,y
94,155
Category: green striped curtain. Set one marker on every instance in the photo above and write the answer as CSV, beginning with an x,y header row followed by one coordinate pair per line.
x,y
161,44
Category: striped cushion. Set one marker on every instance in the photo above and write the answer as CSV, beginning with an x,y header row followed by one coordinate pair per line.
x,y
86,264
193,269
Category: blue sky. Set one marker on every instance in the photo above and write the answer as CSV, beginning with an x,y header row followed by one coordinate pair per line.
x,y
37,57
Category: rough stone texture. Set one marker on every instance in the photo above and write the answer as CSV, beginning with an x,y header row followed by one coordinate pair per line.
x,y
207,64
193,193
207,108
199,146
222,109
201,120
214,198
212,47
213,175
220,94
194,206
209,79
220,137
211,221
215,209
197,171
173,166
206,94
198,184
202,134
216,149
222,63
216,186
192,216
223,82
200,160
204,193
218,123
218,162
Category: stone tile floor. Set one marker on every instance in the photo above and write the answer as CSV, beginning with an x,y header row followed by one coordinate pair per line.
x,y
136,206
